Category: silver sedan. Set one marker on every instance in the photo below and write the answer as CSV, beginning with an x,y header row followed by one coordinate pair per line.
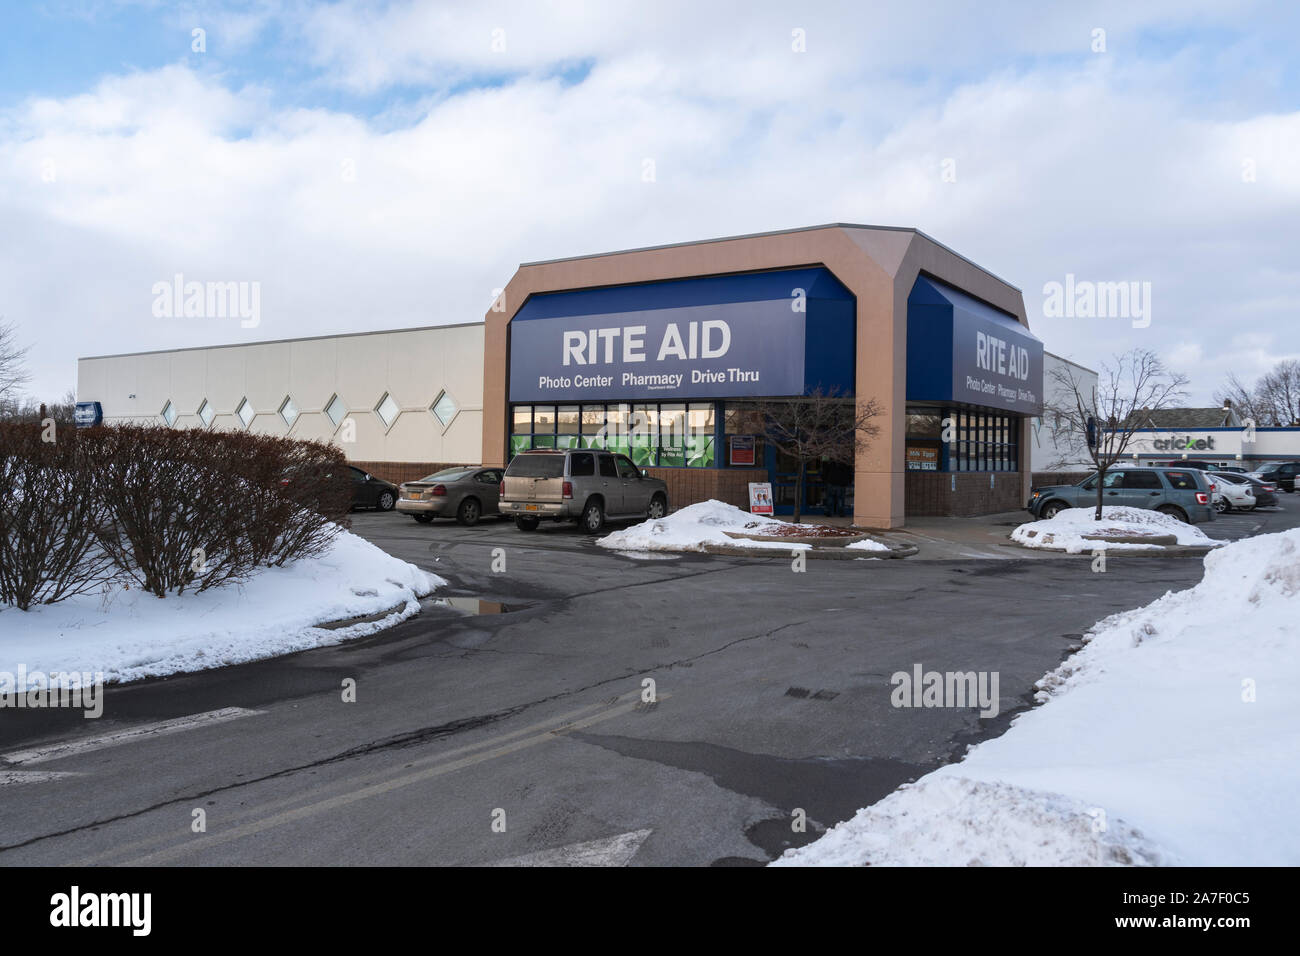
x,y
465,493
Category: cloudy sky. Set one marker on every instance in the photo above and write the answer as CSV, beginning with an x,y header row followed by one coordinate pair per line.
x,y
383,165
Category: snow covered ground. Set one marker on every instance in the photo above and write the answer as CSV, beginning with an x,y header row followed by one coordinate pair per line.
x,y
1066,530
129,634
706,523
1170,738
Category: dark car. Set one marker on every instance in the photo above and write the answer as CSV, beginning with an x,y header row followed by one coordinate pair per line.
x,y
1181,492
465,493
371,492
1201,465
1280,473
1265,491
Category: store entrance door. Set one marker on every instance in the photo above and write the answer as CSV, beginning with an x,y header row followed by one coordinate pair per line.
x,y
782,471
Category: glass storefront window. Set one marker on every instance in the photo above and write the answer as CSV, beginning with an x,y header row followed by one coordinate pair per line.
x,y
544,420
670,435
593,419
566,419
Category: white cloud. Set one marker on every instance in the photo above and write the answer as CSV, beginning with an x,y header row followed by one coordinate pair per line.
x,y
1099,167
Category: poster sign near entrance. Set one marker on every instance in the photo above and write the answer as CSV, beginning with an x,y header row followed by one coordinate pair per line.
x,y
760,497
742,449
922,458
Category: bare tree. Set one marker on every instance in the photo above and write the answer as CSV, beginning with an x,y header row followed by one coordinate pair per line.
x,y
1279,391
13,367
1101,421
1274,400
1244,401
27,410
822,425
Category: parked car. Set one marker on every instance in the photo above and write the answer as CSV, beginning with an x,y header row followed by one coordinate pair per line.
x,y
1182,492
1202,465
371,492
1265,494
1280,473
1232,494
465,493
586,485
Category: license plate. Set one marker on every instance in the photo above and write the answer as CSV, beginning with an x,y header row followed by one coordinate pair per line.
x,y
530,507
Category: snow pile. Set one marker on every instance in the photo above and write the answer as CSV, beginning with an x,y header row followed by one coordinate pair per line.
x,y
129,634
983,824
1170,737
867,544
1066,530
697,525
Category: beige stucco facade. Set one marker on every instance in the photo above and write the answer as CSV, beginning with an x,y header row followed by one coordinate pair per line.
x,y
879,265
414,366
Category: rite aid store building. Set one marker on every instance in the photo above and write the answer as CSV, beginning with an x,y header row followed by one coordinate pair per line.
x,y
661,353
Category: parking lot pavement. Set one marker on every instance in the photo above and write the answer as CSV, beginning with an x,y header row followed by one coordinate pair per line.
x,y
521,703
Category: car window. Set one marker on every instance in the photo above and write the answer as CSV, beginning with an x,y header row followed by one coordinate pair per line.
x,y
489,477
1141,479
1114,479
582,464
1229,477
1090,484
536,466
625,468
1182,480
449,474
357,474
607,467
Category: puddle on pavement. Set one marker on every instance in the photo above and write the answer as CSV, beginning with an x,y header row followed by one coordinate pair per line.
x,y
471,605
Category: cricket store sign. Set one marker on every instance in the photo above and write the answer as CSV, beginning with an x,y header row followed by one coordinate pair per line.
x,y
1187,443
714,351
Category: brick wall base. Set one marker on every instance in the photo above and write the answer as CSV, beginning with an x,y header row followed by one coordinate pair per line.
x,y
400,471
933,493
686,486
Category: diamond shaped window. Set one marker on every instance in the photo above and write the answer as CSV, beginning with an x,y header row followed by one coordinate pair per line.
x,y
206,413
337,410
288,411
169,414
444,409
387,410
245,412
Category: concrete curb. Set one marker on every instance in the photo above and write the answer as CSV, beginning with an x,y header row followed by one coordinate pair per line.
x,y
361,619
840,541
821,554
1176,551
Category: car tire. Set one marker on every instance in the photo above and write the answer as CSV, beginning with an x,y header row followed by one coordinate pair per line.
x,y
1222,506
658,508
593,517
469,512
386,501
423,519
1174,511
526,524
1051,510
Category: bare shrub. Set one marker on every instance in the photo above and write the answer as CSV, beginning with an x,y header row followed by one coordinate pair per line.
x,y
197,509
49,518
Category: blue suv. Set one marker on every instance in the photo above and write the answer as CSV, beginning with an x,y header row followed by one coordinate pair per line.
x,y
1181,492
